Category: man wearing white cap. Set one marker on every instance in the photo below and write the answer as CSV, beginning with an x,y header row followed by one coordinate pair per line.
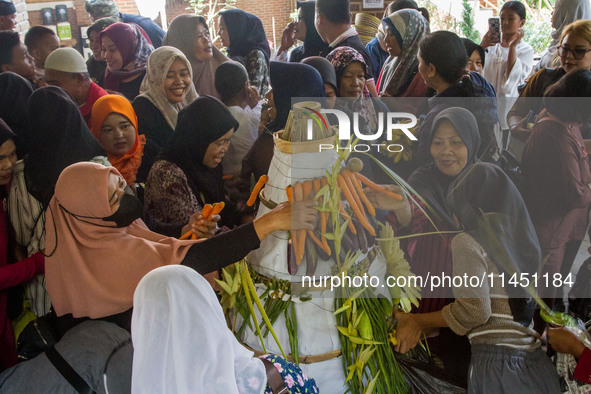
x,y
66,68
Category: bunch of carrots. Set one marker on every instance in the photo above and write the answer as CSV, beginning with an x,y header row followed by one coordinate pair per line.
x,y
307,243
207,212
351,184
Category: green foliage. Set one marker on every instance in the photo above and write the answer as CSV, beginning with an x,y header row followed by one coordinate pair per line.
x,y
209,9
467,23
538,33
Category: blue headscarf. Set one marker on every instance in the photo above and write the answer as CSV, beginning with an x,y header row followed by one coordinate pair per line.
x,y
246,33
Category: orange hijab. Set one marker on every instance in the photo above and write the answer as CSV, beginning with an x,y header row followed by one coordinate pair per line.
x,y
130,162
94,267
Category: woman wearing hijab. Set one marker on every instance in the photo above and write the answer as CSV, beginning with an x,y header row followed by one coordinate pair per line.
x,y
498,237
476,56
244,37
556,175
126,48
114,125
10,274
14,94
99,248
188,174
305,31
287,80
52,147
454,142
95,64
169,357
565,13
166,89
351,72
190,34
442,65
329,77
400,74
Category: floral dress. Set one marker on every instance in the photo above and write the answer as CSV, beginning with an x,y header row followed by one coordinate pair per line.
x,y
295,379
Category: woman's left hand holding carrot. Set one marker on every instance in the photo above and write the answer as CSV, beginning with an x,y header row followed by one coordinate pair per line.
x,y
202,228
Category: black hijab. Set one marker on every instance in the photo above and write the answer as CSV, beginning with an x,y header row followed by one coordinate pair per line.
x,y
292,80
492,211
5,132
14,94
471,46
199,124
56,137
325,68
313,44
427,180
246,33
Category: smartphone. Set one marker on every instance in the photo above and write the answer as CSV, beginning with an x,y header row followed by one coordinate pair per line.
x,y
494,26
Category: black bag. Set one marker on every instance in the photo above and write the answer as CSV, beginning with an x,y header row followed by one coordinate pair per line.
x,y
38,336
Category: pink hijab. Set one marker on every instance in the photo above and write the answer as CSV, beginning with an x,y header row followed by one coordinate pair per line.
x,y
94,267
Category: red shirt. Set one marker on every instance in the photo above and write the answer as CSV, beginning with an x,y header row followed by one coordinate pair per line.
x,y
94,93
583,369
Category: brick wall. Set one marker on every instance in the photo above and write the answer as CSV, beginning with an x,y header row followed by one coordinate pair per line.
x,y
266,10
22,17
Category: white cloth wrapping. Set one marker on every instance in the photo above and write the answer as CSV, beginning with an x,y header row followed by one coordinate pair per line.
x,y
316,323
181,341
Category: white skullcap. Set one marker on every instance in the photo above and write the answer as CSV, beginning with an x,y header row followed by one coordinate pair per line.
x,y
67,60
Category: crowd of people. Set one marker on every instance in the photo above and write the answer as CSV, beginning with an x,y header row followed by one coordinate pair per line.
x,y
106,162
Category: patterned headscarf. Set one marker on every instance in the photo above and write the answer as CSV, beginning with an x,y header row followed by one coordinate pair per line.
x,y
134,45
409,27
341,57
152,86
128,163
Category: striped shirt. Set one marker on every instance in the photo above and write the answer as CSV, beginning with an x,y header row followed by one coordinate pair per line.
x,y
482,312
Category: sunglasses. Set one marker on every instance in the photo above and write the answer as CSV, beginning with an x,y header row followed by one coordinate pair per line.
x,y
578,54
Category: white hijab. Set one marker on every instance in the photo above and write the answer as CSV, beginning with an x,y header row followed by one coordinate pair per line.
x,y
181,341
152,86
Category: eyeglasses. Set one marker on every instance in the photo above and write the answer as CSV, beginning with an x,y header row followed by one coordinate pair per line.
x,y
578,54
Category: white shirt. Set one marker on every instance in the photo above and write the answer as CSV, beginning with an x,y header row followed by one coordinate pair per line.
x,y
243,138
495,72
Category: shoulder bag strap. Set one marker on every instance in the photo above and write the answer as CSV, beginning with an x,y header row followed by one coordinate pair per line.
x,y
274,378
68,372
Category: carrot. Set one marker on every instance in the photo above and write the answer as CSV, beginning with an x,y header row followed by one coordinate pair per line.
x,y
298,191
186,235
307,189
346,216
206,211
228,177
357,185
362,219
317,183
353,192
289,192
318,242
377,187
257,188
216,209
193,236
